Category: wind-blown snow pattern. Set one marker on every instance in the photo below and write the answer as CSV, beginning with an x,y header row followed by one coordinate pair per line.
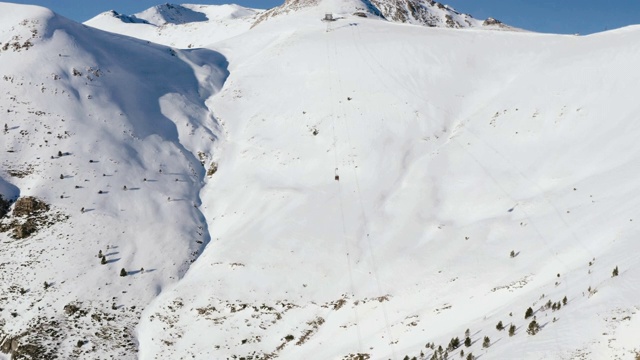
x,y
352,189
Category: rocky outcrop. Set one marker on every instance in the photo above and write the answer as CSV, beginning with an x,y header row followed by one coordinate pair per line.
x,y
28,216
4,206
28,206
9,345
14,347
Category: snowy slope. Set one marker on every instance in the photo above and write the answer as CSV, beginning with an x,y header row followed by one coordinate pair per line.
x,y
449,157
478,176
87,114
182,26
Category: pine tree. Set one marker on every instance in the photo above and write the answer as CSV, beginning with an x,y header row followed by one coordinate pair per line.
x,y
123,272
467,333
499,326
533,328
486,342
104,262
467,342
528,313
512,330
615,272
453,344
564,301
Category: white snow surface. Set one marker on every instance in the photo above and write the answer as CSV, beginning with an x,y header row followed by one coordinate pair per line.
x,y
181,26
372,180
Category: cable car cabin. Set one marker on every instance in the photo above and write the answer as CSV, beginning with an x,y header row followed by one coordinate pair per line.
x,y
328,17
337,178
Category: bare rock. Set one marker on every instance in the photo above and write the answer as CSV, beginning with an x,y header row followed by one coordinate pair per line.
x,y
4,206
491,21
25,229
28,205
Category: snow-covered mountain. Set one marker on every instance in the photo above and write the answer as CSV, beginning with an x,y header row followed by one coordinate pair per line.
x,y
189,26
95,127
357,189
181,26
418,12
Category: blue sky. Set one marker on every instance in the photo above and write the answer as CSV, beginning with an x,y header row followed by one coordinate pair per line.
x,y
556,16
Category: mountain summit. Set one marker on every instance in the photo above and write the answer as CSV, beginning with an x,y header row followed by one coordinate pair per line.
x,y
418,12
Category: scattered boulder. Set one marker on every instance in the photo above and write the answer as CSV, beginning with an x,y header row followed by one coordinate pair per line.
x,y
71,309
212,169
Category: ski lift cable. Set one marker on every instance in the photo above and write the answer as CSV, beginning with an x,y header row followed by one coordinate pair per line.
x,y
414,92
344,229
372,257
547,242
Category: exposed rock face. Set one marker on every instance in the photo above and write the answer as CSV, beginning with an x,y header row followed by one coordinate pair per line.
x,y
29,215
491,21
9,345
424,12
4,206
25,229
29,205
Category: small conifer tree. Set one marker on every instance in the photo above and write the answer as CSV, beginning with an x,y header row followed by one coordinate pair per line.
x,y
512,330
453,344
564,300
499,326
615,272
104,262
533,328
123,272
467,341
486,342
528,313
